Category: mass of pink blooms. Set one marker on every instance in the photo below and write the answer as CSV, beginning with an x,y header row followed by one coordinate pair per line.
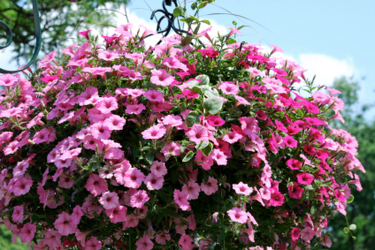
x,y
176,146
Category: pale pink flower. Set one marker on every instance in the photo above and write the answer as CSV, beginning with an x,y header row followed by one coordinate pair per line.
x,y
192,190
307,234
229,88
340,207
133,178
100,131
158,168
144,243
87,97
20,169
96,185
172,120
154,132
106,173
154,182
237,215
27,232
241,101
174,63
93,244
198,133
172,148
326,241
356,182
115,122
233,31
219,157
154,96
117,214
249,125
181,199
139,198
64,224
8,80
107,104
135,109
107,55
65,181
242,188
210,187
161,77
17,215
109,200
89,142
186,242
232,137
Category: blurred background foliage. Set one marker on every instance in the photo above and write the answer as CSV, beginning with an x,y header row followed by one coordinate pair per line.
x,y
59,22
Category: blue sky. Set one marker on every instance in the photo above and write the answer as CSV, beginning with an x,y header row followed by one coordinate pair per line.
x,y
329,38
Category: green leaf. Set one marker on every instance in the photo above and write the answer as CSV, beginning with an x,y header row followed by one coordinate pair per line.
x,y
309,187
192,83
213,105
346,230
192,118
352,227
231,41
223,234
35,218
351,199
201,145
205,80
211,92
202,4
208,149
150,157
188,156
312,210
193,17
178,11
206,22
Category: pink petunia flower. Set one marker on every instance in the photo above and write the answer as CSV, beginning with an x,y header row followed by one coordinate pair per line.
x,y
232,137
198,133
158,168
154,182
305,178
96,185
290,141
181,199
229,88
93,244
139,198
85,34
161,237
17,215
219,157
215,121
237,215
100,131
52,239
107,55
117,214
186,242
154,132
161,77
205,161
192,190
115,122
21,185
154,96
27,232
144,243
242,188
64,224
307,234
107,104
210,187
109,200
135,109
133,178
277,199
295,233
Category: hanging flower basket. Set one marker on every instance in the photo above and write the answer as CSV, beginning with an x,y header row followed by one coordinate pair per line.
x,y
119,146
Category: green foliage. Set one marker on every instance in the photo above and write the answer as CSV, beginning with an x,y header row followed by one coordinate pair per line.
x,y
361,211
6,241
58,22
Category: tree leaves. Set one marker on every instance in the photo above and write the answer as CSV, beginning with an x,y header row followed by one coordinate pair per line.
x,y
213,105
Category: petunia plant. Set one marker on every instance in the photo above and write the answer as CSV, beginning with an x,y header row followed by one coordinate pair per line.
x,y
123,146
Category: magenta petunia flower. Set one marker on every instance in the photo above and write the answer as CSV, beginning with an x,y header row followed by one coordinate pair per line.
x,y
295,233
215,121
277,199
154,132
85,34
294,164
154,96
305,178
295,191
237,215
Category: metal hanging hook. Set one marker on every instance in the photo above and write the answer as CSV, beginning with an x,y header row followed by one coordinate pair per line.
x,y
38,35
